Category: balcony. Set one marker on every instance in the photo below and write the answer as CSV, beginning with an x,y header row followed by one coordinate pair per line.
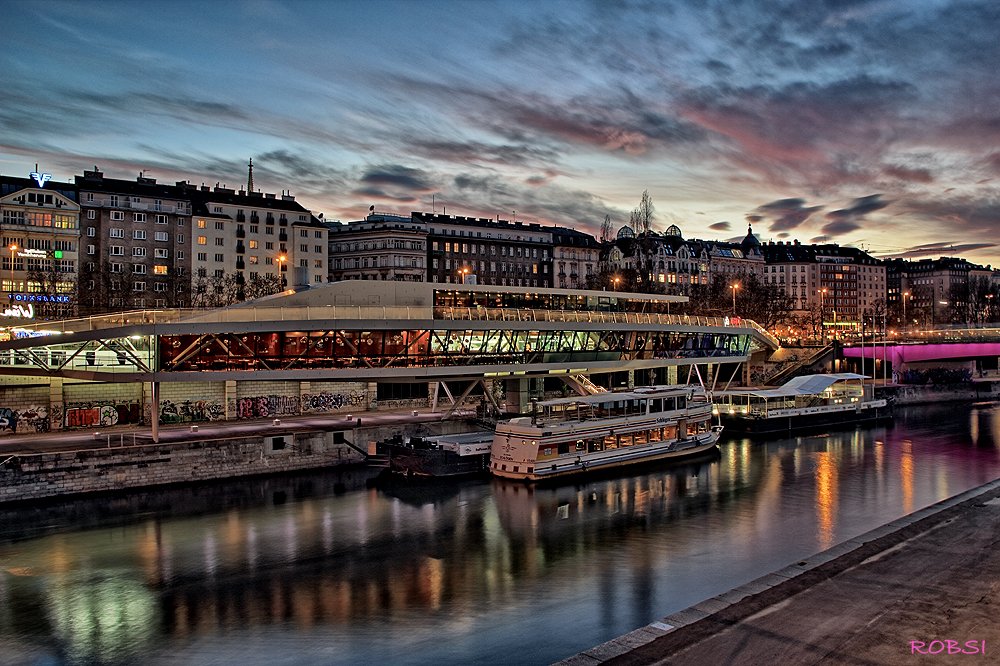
x,y
282,236
239,264
174,208
240,233
283,222
240,217
240,248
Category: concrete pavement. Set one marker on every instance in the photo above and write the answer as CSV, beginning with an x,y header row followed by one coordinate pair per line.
x,y
909,592
76,440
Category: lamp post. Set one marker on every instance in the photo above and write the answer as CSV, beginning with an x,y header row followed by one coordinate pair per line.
x,y
822,315
281,262
617,280
463,273
989,302
13,249
905,294
734,287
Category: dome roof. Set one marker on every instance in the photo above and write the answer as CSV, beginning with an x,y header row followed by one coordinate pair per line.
x,y
626,232
749,243
674,230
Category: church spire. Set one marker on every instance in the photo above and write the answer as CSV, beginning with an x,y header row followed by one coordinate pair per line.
x,y
250,177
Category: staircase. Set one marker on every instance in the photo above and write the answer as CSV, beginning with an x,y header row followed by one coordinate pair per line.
x,y
802,366
590,387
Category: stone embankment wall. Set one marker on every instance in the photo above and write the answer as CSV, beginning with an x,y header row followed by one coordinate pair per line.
x,y
38,476
928,393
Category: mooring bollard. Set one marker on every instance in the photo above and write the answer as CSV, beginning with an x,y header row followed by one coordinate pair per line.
x,y
276,422
194,428
349,417
414,412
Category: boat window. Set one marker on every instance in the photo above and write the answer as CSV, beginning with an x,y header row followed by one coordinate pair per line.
x,y
563,447
610,442
669,404
581,445
595,445
655,435
681,402
640,437
656,406
625,440
642,406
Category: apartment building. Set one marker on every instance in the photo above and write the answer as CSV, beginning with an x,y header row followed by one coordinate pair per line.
x,y
135,244
575,257
250,235
40,224
487,251
382,246
841,283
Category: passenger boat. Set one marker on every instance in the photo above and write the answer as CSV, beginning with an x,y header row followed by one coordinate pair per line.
x,y
603,431
463,454
809,401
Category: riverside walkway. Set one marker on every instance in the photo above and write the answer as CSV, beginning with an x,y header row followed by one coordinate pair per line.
x,y
909,592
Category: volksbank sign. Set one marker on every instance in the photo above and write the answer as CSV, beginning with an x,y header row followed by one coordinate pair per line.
x,y
38,298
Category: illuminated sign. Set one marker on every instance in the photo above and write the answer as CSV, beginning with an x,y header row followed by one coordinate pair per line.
x,y
41,178
18,310
38,298
33,254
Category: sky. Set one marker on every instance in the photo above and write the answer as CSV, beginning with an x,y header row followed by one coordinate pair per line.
x,y
871,124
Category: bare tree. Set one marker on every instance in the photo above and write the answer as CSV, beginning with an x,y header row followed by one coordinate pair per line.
x,y
607,230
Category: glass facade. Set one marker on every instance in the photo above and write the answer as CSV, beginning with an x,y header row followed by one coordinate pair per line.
x,y
297,350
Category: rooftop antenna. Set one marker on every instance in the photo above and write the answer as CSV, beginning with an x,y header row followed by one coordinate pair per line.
x,y
433,205
250,177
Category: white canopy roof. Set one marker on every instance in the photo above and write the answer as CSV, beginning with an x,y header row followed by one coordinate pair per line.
x,y
804,385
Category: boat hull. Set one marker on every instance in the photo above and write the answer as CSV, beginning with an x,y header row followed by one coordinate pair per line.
x,y
434,463
750,425
590,463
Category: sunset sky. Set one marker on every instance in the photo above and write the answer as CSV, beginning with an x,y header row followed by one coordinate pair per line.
x,y
873,124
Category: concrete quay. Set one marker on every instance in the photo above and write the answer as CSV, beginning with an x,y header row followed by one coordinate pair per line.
x,y
911,591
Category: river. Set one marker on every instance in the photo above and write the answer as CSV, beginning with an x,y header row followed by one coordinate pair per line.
x,y
320,569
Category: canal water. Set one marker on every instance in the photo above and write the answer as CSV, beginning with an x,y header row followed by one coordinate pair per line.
x,y
320,569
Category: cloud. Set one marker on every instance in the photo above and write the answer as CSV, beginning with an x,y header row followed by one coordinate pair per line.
x,y
846,220
785,214
720,226
938,249
398,176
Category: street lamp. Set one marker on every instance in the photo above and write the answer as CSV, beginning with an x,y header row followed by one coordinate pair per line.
x,y
281,261
463,273
905,294
822,315
617,280
13,249
734,287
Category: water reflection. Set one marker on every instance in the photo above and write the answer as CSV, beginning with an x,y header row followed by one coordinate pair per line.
x,y
306,570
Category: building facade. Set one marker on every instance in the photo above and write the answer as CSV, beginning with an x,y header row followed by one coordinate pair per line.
x,y
467,250
40,226
841,284
574,258
135,240
380,247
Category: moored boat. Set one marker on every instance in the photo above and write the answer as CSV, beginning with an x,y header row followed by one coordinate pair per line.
x,y
809,401
463,454
597,432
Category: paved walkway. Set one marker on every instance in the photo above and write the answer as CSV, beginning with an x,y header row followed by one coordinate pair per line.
x,y
74,440
931,576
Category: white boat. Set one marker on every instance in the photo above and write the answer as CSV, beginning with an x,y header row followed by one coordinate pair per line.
x,y
809,401
602,431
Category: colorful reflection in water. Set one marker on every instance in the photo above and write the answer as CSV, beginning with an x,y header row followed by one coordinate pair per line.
x,y
295,571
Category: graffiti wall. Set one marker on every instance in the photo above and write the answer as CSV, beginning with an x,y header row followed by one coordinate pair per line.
x,y
329,402
101,414
263,406
191,409
32,419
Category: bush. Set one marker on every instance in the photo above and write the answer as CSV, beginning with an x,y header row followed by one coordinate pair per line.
x,y
937,376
